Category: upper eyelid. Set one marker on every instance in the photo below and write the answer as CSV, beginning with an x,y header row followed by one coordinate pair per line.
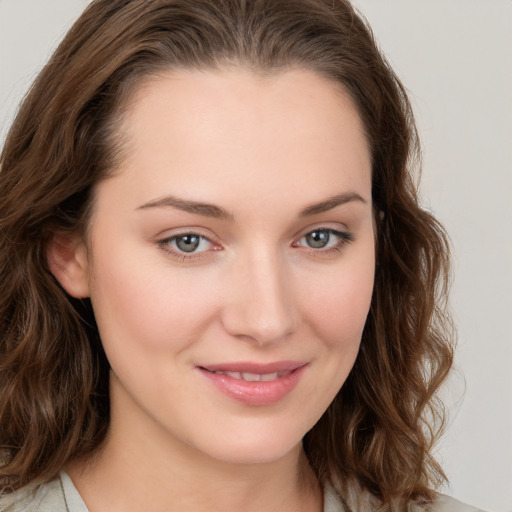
x,y
201,255
163,236
184,233
169,234
345,236
327,226
333,231
164,245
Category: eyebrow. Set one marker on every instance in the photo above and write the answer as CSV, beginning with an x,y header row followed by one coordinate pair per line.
x,y
198,208
217,212
329,204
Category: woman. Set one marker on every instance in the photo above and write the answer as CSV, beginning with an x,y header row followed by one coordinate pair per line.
x,y
220,291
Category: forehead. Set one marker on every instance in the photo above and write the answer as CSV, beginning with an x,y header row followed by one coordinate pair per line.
x,y
202,130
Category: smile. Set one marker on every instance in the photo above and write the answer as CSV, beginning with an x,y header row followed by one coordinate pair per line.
x,y
255,384
253,377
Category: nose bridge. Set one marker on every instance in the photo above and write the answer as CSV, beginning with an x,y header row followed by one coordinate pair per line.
x,y
261,307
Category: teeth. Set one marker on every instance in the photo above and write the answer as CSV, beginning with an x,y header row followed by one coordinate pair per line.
x,y
269,376
253,377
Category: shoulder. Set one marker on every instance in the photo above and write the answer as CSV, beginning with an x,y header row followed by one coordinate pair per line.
x,y
47,497
445,503
442,503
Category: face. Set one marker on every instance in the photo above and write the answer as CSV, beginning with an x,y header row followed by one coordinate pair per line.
x,y
230,260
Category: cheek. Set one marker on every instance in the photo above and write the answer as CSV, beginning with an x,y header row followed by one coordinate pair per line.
x,y
138,305
335,310
337,306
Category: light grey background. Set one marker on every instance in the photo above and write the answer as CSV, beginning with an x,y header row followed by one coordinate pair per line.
x,y
455,58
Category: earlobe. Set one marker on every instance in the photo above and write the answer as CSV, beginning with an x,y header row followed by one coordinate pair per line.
x,y
66,255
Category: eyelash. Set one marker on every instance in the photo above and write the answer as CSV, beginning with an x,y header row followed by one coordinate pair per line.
x,y
182,255
344,238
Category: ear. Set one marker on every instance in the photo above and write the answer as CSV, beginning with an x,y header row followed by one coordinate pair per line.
x,y
66,255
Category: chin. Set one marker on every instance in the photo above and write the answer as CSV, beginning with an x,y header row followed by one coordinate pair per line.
x,y
254,450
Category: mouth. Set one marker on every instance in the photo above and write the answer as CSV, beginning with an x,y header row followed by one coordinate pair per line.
x,y
253,377
252,383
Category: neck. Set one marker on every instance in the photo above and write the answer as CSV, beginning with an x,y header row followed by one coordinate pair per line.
x,y
112,482
140,467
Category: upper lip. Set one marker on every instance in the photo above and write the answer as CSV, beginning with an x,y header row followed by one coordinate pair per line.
x,y
253,367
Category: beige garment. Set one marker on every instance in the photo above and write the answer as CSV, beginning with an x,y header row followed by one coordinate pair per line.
x,y
60,495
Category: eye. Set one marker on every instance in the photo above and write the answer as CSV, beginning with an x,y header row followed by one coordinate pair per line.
x,y
187,243
318,239
325,238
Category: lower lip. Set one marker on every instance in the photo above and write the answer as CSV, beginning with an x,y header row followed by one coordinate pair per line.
x,y
255,393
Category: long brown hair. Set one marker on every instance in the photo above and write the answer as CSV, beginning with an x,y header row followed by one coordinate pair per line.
x,y
374,442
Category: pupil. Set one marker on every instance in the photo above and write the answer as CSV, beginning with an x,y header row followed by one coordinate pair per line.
x,y
188,243
317,239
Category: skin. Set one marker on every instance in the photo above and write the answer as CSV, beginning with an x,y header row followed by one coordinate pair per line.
x,y
263,149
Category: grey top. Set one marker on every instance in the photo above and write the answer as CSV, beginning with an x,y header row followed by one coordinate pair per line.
x,y
60,495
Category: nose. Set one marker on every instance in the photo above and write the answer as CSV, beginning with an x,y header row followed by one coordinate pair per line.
x,y
260,306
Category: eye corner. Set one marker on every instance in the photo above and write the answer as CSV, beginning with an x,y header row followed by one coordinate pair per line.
x,y
187,245
324,242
